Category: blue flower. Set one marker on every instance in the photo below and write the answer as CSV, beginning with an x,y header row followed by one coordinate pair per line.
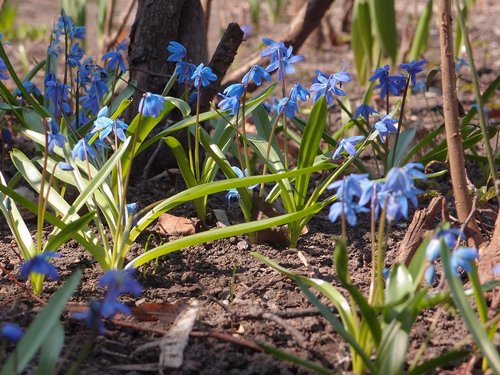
x,y
65,166
257,74
121,281
433,249
6,135
54,137
247,31
496,270
328,86
299,91
75,55
274,50
30,88
57,95
83,150
39,264
463,258
284,63
105,125
413,67
177,51
350,209
3,69
392,84
203,75
184,70
419,86
348,144
151,105
288,107
364,110
450,237
232,194
397,207
460,63
385,127
11,332
349,187
229,103
115,58
430,274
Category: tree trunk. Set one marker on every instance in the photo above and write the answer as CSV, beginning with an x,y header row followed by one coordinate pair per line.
x,y
157,23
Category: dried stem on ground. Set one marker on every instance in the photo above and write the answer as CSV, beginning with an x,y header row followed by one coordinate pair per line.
x,y
456,159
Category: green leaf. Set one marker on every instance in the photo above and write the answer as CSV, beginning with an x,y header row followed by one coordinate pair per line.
x,y
430,365
475,328
404,141
309,148
400,287
67,233
41,328
422,34
384,17
391,355
367,311
51,350
216,234
250,106
280,354
362,39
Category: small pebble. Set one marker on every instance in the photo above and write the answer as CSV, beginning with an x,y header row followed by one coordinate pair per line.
x,y
233,240
243,245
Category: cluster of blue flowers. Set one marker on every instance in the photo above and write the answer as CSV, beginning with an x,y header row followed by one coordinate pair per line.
x,y
117,282
232,194
461,257
355,191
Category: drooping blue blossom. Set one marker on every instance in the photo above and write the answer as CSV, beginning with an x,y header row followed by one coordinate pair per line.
x,y
300,92
40,264
151,105
6,136
419,87
287,106
274,49
247,31
229,103
450,237
387,83
233,194
463,258
203,75
401,180
94,81
121,281
460,63
83,150
54,136
117,282
185,71
364,110
385,127
256,74
396,206
284,63
11,332
30,88
104,125
413,67
57,95
349,187
65,166
430,274
116,58
350,209
75,55
328,86
3,70
54,49
348,144
177,51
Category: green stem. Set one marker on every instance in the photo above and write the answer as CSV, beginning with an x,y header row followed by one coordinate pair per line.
x,y
197,137
400,121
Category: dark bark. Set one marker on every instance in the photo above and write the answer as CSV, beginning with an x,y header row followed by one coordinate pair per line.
x,y
157,23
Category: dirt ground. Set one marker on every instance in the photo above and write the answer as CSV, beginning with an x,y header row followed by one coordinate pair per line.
x,y
242,300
